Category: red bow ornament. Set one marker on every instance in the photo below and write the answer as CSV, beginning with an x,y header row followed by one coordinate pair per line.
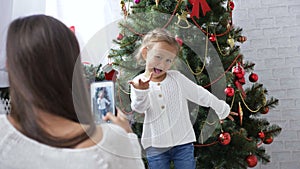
x,y
196,3
239,73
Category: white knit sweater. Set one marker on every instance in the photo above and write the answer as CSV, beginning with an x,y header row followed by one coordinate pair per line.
x,y
116,150
165,104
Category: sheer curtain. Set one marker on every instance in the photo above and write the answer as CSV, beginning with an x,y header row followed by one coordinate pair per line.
x,y
9,10
89,18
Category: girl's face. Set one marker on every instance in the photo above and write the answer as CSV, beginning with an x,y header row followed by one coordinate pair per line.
x,y
159,59
101,94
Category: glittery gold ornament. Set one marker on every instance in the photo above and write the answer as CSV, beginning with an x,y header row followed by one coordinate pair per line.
x,y
230,41
183,18
122,4
240,112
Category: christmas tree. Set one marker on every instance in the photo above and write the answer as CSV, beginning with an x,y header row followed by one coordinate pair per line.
x,y
209,55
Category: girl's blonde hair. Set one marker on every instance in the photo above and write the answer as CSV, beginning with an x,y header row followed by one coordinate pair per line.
x,y
156,35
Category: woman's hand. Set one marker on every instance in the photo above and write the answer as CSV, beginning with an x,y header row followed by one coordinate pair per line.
x,y
142,85
119,120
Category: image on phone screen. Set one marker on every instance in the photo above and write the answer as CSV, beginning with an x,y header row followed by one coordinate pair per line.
x,y
102,99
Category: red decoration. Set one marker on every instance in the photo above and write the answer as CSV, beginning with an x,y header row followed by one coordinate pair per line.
x,y
229,91
268,140
242,80
238,71
242,39
72,28
231,5
120,36
179,40
251,160
137,1
261,135
266,110
109,72
86,63
253,77
212,38
240,87
224,138
196,3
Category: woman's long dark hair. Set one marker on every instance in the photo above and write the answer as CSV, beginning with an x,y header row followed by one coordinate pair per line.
x,y
42,54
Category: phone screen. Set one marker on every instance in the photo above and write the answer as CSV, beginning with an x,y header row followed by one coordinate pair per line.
x,y
102,99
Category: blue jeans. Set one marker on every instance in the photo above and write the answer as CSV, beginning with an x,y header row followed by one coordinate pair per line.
x,y
182,156
103,112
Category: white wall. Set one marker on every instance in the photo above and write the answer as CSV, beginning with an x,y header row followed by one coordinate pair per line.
x,y
273,31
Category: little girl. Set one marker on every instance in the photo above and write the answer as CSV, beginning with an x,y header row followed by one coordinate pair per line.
x,y
163,94
102,102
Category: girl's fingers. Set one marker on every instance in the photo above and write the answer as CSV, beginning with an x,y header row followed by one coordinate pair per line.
x,y
231,118
234,113
151,75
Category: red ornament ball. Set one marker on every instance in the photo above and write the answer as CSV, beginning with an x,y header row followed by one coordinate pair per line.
x,y
179,40
251,160
212,38
229,91
238,71
268,140
137,1
120,36
253,77
261,135
265,110
231,5
224,138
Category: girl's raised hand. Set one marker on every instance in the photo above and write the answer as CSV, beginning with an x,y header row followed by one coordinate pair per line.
x,y
142,85
230,116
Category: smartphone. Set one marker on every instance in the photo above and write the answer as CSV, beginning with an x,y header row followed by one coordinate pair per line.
x,y
102,99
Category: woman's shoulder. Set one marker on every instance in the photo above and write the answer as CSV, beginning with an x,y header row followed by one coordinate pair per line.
x,y
115,143
4,124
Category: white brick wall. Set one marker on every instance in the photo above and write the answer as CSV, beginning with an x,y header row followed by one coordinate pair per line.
x,y
273,31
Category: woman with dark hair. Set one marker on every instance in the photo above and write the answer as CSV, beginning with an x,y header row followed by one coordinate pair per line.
x,y
51,124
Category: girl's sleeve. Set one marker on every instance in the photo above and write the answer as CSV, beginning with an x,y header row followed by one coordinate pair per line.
x,y
203,97
140,101
107,102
